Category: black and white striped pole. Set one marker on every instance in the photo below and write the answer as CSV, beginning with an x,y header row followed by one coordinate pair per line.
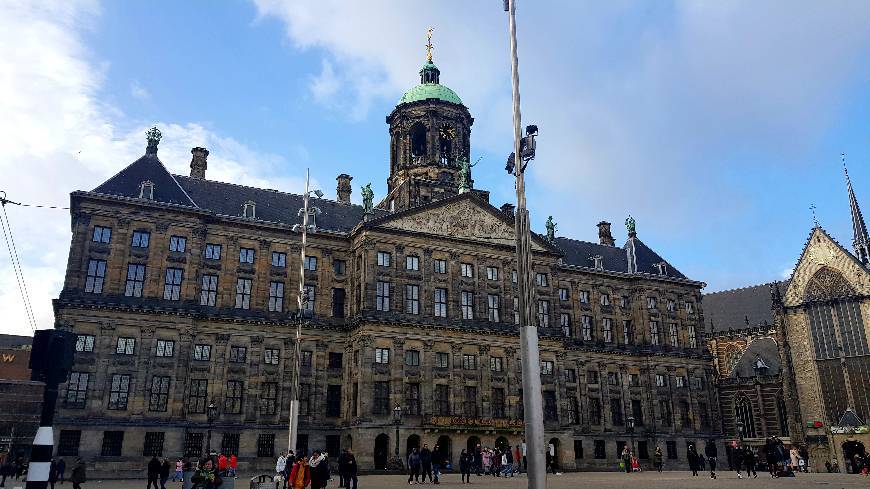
x,y
50,361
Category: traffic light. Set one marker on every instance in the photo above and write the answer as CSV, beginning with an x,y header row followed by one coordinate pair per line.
x,y
52,355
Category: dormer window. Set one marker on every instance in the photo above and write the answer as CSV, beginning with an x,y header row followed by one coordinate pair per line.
x,y
250,210
598,262
146,190
662,268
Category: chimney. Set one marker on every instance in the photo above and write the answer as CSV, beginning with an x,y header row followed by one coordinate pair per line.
x,y
508,209
344,189
604,236
199,163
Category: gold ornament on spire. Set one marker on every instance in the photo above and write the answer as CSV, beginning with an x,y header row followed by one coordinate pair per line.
x,y
429,46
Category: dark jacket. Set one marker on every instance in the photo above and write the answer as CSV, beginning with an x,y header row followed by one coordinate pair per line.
x,y
414,460
710,450
437,458
426,457
153,467
164,470
350,463
79,474
53,472
465,462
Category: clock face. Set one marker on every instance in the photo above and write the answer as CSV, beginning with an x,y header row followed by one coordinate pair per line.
x,y
447,132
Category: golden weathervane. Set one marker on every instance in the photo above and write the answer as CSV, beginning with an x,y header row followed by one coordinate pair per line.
x,y
429,46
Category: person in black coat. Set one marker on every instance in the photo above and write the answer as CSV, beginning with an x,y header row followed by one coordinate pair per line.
x,y
53,473
466,461
426,462
749,461
164,473
711,452
692,456
342,468
437,463
351,470
153,473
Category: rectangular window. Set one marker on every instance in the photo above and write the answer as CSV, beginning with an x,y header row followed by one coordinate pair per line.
x,y
246,255
120,391
672,334
333,401
243,293
202,352
672,306
382,355
140,239
563,294
440,303
516,310
77,390
491,273
69,442
600,452
671,447
624,302
381,403
193,444
442,359
233,404
383,259
276,296
654,334
643,450
339,267
466,270
96,276
165,348
570,375
627,333
584,297
592,376
633,380
308,296
230,444
594,411
112,443
271,356
335,360
304,399
196,401
541,280
661,381
586,328
467,304
665,409
578,449
383,296
135,280
637,411
680,381
616,412
102,234
544,314
442,400
440,266
172,284
690,308
550,411
497,403
177,244
159,393
613,378
266,445
493,308
412,299
496,364
125,346
212,251
412,358
651,302
513,276
279,259
311,263
693,337
470,404
305,358
565,324
338,296
607,329
412,399
208,293
572,408
469,362
605,299
85,342
238,354
412,262
546,367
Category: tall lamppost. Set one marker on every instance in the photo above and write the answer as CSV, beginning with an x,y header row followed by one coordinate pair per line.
x,y
305,211
211,415
396,463
629,425
524,151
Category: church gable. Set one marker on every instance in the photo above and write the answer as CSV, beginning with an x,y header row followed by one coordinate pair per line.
x,y
824,270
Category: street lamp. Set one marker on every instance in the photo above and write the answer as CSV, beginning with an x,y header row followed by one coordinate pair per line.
x,y
305,212
629,421
211,414
524,151
397,420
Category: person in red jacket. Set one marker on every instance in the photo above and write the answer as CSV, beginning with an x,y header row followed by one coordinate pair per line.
x,y
234,464
222,464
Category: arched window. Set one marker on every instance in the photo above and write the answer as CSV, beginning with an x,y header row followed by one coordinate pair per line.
x,y
446,135
418,140
250,209
146,190
743,415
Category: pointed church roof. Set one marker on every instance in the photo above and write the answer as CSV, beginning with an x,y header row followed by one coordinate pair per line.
x,y
860,239
127,182
850,418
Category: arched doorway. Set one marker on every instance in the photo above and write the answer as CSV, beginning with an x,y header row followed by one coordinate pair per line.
x,y
553,452
382,451
412,443
473,441
502,444
850,449
446,449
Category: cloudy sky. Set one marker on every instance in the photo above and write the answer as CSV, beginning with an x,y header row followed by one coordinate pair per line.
x,y
715,124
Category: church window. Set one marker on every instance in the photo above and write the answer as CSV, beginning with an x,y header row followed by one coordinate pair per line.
x,y
493,308
412,262
440,266
467,303
743,409
783,416
250,209
441,303
146,190
383,296
383,259
732,356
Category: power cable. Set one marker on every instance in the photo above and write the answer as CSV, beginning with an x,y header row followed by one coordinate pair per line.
x,y
16,262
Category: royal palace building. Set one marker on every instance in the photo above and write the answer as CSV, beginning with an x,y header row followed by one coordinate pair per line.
x,y
184,293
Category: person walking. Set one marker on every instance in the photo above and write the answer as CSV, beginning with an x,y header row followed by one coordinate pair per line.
x,y
319,466
206,477
351,469
61,469
658,459
518,458
281,464
478,459
79,474
793,456
749,462
508,462
52,473
342,468
414,467
300,475
437,462
712,453
770,456
179,471
692,456
234,464
466,461
626,459
6,470
165,468
426,463
153,473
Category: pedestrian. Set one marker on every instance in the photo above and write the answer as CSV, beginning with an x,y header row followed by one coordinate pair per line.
x,y
437,462
770,456
319,466
223,464
52,473
300,476
805,455
508,462
712,453
626,459
426,463
79,474
692,456
6,470
288,466
658,459
234,464
525,463
206,477
61,468
165,469
749,462
793,458
153,473
518,458
351,470
414,467
281,464
466,460
342,467
478,459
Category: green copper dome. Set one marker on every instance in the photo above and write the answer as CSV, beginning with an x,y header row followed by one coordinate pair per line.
x,y
429,88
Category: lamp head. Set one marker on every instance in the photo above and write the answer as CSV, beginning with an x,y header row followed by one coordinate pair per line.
x,y
532,130
318,193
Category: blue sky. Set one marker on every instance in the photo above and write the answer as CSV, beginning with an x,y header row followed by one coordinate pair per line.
x,y
716,125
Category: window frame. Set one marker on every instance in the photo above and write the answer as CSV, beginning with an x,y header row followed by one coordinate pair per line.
x,y
384,259
466,270
279,259
177,244
101,234
140,239
95,276
246,255
135,282
243,293
213,251
172,280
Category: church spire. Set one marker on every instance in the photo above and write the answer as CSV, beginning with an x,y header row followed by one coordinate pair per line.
x,y
860,239
430,73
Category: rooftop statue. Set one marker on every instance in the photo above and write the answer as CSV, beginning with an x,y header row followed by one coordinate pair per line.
x,y
465,167
630,226
368,197
551,229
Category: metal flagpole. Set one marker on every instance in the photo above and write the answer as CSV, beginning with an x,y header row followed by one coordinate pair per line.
x,y
293,431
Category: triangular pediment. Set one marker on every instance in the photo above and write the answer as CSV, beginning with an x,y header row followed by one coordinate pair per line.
x,y
823,252
462,217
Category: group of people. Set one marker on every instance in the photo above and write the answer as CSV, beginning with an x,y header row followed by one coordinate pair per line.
x,y
498,462
17,468
628,461
698,462
311,472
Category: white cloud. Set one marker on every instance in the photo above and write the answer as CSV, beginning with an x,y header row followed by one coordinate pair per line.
x,y
138,91
56,137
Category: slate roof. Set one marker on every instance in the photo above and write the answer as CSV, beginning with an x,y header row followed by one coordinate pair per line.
x,y
127,181
764,348
580,253
729,309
